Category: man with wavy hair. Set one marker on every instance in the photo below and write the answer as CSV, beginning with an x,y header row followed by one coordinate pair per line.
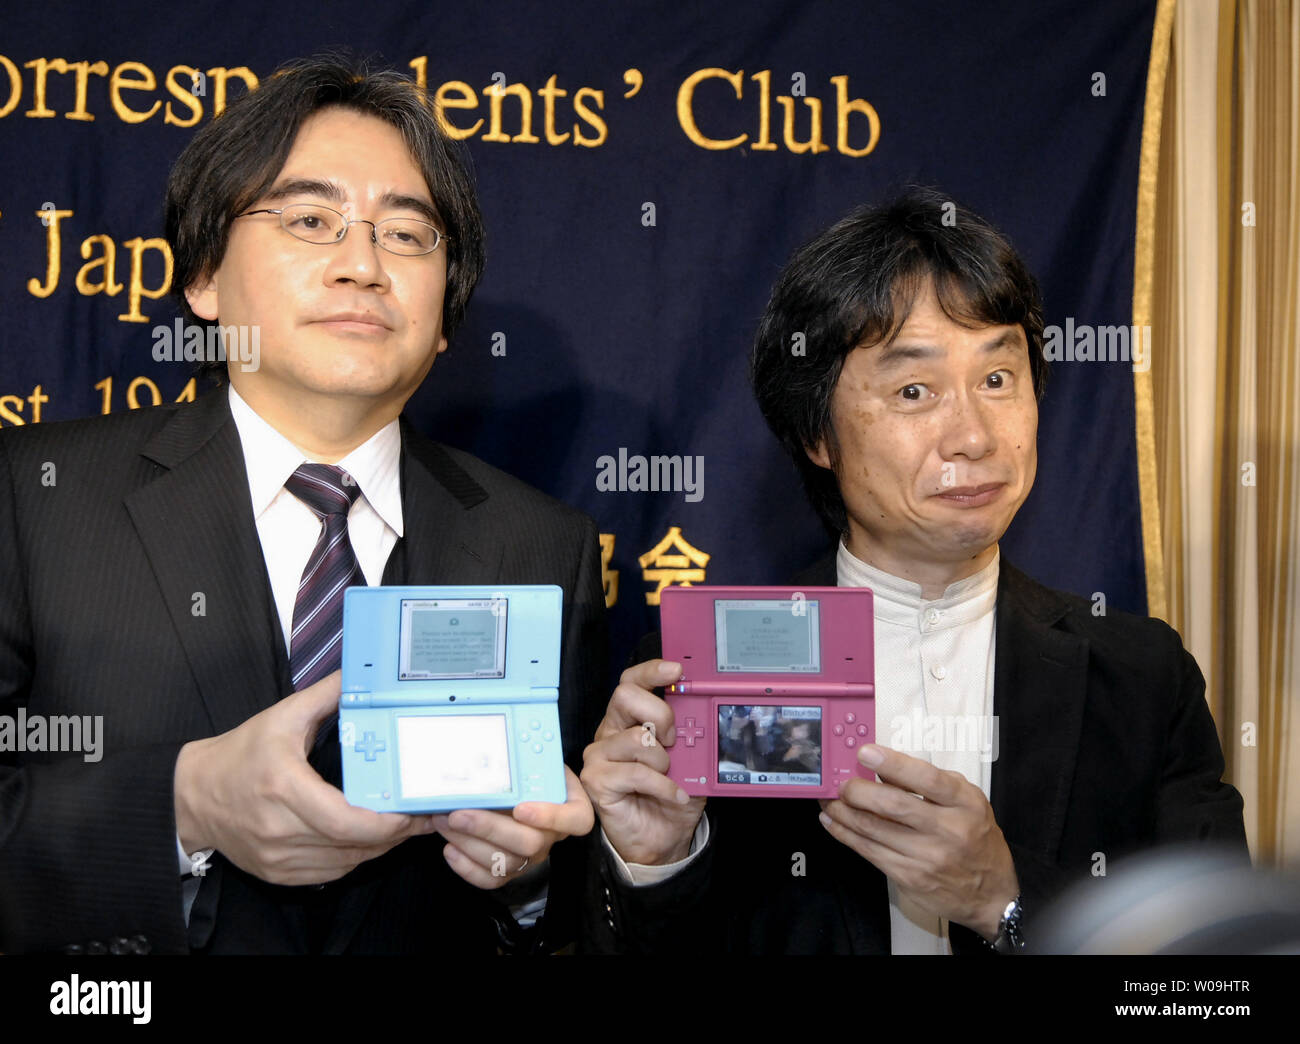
x,y
912,415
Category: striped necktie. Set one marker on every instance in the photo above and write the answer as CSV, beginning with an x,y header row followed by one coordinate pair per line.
x,y
316,647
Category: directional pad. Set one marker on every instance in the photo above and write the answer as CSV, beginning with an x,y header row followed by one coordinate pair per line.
x,y
371,746
690,731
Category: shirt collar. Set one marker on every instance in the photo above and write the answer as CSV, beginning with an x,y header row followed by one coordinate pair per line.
x,y
270,459
899,601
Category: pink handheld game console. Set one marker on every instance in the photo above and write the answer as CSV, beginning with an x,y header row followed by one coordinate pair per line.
x,y
777,689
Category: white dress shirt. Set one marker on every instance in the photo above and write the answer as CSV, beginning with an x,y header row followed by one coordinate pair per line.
x,y
288,529
934,695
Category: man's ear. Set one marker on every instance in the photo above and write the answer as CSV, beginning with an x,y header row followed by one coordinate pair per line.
x,y
203,299
820,454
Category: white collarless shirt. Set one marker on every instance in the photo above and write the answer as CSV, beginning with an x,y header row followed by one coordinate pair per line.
x,y
934,695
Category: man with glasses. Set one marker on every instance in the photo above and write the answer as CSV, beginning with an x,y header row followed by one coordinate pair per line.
x,y
184,576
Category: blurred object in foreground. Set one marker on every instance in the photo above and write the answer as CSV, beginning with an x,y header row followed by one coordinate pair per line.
x,y
1175,901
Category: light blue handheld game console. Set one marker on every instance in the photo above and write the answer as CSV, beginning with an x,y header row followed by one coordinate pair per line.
x,y
450,697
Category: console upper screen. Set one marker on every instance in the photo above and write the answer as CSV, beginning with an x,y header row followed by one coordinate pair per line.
x,y
772,636
452,638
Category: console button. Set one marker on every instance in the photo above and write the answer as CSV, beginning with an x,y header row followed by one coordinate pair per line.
x,y
838,730
537,748
548,735
863,730
850,741
371,746
534,724
690,731
524,737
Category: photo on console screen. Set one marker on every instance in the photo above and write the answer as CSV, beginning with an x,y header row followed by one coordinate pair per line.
x,y
770,745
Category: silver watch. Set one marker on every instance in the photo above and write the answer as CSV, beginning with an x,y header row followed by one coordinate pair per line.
x,y
1009,939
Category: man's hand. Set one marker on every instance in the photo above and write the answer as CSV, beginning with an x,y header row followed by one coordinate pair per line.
x,y
646,816
250,794
944,850
489,848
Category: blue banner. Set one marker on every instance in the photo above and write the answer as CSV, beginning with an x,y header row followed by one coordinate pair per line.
x,y
644,170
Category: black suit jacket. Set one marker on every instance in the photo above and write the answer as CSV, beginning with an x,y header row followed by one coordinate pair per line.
x,y
132,586
1106,745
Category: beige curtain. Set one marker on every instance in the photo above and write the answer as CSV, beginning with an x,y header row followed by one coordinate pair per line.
x,y
1217,278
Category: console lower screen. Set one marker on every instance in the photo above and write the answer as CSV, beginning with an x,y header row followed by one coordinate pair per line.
x,y
771,635
453,754
770,745
452,638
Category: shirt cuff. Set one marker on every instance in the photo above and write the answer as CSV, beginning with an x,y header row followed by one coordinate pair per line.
x,y
186,864
528,913
640,875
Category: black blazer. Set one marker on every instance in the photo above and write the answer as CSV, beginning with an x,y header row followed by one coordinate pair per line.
x,y
110,531
1105,745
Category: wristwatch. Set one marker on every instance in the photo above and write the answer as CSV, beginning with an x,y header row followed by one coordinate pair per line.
x,y
1009,939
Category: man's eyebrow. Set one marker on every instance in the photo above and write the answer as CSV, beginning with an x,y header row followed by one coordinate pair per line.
x,y
401,201
305,187
892,355
332,191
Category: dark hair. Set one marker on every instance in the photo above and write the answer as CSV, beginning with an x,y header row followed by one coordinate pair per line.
x,y
236,158
853,285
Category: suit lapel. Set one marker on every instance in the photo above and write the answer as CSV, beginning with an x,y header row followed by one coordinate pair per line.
x,y
822,573
1039,689
444,540
442,543
196,523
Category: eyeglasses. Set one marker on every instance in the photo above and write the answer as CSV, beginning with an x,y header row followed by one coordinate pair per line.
x,y
313,223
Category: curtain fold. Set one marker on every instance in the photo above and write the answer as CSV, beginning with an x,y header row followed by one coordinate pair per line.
x,y
1217,275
